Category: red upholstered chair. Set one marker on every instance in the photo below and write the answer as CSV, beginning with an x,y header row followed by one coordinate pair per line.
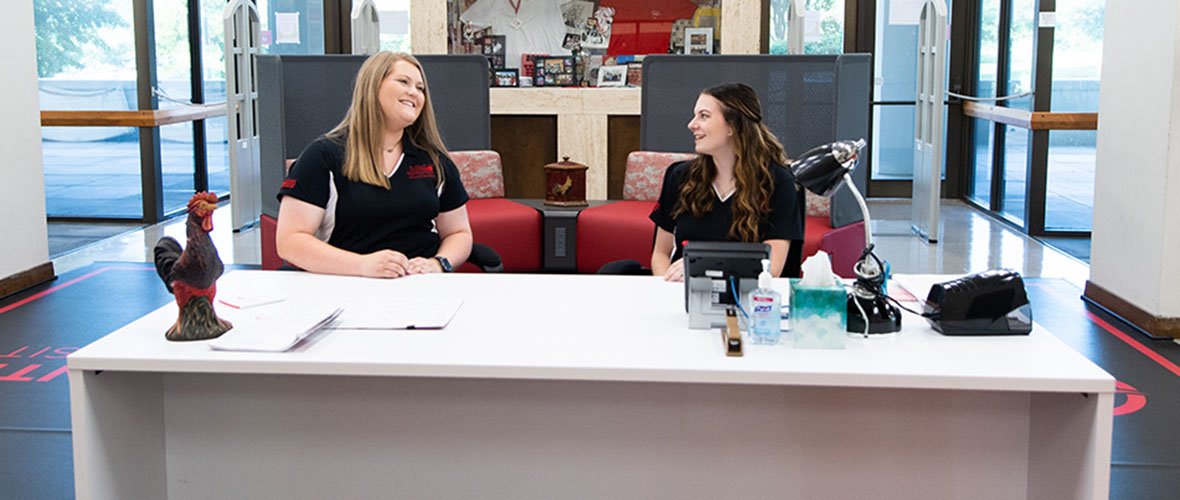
x,y
511,229
621,230
842,244
267,227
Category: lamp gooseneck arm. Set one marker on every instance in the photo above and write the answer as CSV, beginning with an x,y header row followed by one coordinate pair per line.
x,y
864,209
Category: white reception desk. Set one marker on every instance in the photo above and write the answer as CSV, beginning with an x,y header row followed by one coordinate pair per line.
x,y
548,386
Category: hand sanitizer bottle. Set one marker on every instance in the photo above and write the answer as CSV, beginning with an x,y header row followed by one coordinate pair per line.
x,y
765,310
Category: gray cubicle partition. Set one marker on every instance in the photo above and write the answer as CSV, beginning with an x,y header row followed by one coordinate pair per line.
x,y
806,101
302,97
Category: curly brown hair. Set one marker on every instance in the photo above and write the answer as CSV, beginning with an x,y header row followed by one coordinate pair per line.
x,y
757,151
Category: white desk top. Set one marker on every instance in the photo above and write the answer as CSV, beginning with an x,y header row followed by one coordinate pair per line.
x,y
588,327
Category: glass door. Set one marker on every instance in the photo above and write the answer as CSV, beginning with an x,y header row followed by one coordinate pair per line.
x,y
1038,178
174,78
95,56
395,24
1077,65
86,62
895,56
292,26
212,34
823,26
1020,62
895,49
983,132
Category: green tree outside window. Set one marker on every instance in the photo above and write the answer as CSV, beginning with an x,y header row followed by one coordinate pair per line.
x,y
64,28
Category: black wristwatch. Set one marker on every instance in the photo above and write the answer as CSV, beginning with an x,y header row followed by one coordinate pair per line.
x,y
444,263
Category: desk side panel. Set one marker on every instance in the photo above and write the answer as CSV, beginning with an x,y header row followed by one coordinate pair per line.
x,y
1070,445
118,435
366,437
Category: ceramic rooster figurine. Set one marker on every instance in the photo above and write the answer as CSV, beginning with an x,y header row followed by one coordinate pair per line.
x,y
191,273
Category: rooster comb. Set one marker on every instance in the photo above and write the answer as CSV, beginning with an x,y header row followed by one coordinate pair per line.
x,y
203,196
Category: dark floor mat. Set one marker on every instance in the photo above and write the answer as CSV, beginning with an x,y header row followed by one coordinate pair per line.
x,y
40,326
65,237
36,465
1147,405
1078,248
1139,482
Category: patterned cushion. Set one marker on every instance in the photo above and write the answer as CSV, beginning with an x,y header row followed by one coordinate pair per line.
x,y
645,173
817,206
481,173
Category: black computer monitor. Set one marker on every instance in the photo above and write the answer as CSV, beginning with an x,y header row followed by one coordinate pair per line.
x,y
711,270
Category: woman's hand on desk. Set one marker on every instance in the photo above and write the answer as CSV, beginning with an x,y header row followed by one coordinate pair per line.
x,y
422,265
384,264
675,271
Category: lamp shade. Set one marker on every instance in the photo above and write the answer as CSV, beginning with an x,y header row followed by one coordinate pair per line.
x,y
821,170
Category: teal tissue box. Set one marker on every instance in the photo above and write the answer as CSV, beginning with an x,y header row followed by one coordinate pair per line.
x,y
819,316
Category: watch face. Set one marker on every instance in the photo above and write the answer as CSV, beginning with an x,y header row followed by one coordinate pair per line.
x,y
444,263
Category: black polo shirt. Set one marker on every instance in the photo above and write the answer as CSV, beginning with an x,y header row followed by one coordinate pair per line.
x,y
784,221
363,218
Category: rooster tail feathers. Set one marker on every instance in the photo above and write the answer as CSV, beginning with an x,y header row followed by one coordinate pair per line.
x,y
166,253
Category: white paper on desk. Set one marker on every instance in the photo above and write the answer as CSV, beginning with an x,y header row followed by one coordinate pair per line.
x,y
275,328
248,301
396,314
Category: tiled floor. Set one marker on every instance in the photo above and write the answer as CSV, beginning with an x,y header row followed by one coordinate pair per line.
x,y
969,242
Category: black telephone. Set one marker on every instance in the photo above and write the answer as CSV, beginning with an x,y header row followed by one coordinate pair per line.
x,y
988,303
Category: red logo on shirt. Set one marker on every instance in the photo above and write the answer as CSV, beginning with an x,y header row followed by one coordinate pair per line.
x,y
289,183
420,171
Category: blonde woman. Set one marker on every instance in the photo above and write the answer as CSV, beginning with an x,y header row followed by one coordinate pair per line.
x,y
736,189
377,196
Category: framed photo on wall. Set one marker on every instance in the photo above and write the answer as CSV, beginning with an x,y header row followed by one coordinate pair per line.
x,y
612,76
698,40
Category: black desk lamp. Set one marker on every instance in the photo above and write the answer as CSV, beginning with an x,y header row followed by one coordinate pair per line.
x,y
822,171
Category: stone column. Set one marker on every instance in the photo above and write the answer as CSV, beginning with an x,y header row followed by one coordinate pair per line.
x,y
24,252
1135,251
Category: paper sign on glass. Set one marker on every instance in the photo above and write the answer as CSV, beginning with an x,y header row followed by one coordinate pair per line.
x,y
811,26
905,11
286,27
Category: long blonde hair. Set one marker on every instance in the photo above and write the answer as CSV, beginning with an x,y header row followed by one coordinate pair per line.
x,y
757,151
362,128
